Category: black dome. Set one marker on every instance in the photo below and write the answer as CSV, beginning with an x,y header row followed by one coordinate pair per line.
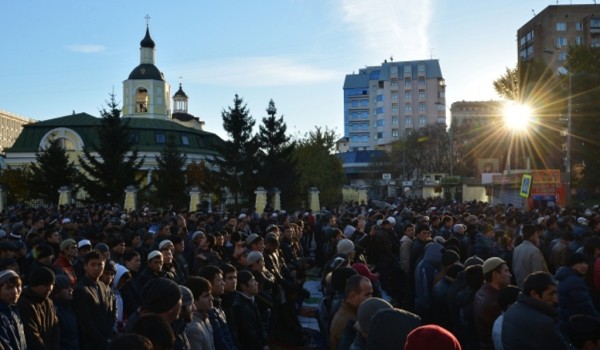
x,y
147,41
146,71
180,92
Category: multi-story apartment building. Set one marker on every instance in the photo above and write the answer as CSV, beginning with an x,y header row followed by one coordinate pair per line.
x,y
384,103
548,35
11,126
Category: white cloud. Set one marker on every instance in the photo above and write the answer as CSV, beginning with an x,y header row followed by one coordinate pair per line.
x,y
390,27
89,48
257,71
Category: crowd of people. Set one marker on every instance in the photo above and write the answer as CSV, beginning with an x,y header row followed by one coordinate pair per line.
x,y
419,274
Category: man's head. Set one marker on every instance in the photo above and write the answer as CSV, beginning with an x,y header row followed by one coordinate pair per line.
x,y
161,296
188,306
41,281
508,296
202,291
423,233
246,283
69,247
530,234
541,286
578,262
367,310
93,265
10,287
215,276
229,277
496,272
155,261
346,247
132,260
358,289
409,230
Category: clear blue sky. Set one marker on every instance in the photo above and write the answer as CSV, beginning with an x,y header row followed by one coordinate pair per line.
x,y
59,56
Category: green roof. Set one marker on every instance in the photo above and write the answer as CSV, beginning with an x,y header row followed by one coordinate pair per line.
x,y
145,132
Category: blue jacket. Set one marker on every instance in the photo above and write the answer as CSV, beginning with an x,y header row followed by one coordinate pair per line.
x,y
221,332
12,335
424,275
531,324
573,296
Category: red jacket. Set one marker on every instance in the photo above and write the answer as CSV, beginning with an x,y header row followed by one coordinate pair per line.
x,y
63,263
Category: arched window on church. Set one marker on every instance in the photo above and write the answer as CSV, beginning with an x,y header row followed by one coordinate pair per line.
x,y
141,99
66,144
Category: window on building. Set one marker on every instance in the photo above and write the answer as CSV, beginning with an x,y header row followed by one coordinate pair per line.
x,y
364,103
562,56
134,137
355,138
407,95
407,82
421,94
561,41
380,135
407,68
394,95
364,115
364,126
379,110
380,122
394,69
421,67
395,108
354,127
408,120
421,107
561,26
66,144
408,107
395,133
394,120
374,112
595,23
160,138
422,120
579,26
578,40
408,131
421,81
141,101
379,97
394,83
595,42
364,138
185,140
354,103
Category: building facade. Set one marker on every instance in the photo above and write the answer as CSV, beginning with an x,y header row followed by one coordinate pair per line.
x,y
384,103
11,126
548,35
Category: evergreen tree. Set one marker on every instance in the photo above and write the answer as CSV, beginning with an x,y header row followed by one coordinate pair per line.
x,y
111,165
278,169
16,182
170,182
319,167
237,164
584,65
51,171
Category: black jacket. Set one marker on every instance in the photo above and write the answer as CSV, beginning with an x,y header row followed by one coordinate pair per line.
x,y
95,311
249,330
40,323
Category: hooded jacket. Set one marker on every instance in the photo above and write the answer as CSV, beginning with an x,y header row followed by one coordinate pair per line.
x,y
424,274
573,296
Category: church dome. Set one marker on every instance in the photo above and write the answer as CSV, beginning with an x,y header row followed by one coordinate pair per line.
x,y
147,41
180,92
146,71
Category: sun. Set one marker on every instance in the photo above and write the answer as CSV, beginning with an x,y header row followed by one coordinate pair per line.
x,y
517,116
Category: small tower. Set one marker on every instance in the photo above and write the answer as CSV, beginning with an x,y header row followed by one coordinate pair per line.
x,y
146,94
180,101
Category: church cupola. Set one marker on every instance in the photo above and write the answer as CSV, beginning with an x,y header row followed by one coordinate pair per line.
x,y
180,101
147,50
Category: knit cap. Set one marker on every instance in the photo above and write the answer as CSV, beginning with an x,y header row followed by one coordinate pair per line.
x,y
41,276
431,337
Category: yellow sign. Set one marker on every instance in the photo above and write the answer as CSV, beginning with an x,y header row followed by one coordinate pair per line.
x,y
525,186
